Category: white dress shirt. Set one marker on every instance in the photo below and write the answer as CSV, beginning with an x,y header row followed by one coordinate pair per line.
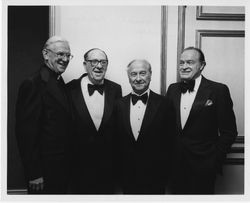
x,y
137,112
187,100
95,102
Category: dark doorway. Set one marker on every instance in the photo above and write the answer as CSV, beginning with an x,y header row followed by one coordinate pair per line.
x,y
28,29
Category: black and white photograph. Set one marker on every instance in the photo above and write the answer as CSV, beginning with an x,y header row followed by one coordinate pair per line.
x,y
124,101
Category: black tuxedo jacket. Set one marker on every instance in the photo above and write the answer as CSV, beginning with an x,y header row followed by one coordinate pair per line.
x,y
92,149
144,163
209,131
43,123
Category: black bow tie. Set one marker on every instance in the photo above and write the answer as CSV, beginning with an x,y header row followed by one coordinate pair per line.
x,y
187,86
92,88
143,98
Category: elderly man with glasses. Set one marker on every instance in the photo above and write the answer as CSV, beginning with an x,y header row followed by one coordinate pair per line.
x,y
44,122
93,99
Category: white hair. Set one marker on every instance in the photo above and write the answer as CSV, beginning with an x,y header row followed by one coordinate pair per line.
x,y
54,39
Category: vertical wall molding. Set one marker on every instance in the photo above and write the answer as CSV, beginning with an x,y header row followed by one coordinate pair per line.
x,y
163,49
181,34
52,21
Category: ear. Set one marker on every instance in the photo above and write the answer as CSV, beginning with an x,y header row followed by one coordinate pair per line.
x,y
85,65
202,66
45,54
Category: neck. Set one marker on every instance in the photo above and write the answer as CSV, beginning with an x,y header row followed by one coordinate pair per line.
x,y
53,70
139,93
94,82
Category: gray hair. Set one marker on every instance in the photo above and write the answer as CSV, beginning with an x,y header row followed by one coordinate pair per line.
x,y
53,40
145,62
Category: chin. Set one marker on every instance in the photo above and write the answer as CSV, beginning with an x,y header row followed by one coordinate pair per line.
x,y
185,78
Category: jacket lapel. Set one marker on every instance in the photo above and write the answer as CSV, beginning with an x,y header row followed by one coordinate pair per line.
x,y
201,97
177,102
151,109
126,116
80,104
109,100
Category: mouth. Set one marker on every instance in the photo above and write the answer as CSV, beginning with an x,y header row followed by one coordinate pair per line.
x,y
185,72
98,73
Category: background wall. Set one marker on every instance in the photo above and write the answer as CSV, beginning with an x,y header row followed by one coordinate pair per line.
x,y
123,32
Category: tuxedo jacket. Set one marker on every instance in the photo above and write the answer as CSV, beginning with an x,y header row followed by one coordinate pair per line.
x,y
43,123
145,161
210,129
92,149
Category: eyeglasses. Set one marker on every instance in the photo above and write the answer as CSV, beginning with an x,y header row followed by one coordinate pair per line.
x,y
62,55
95,62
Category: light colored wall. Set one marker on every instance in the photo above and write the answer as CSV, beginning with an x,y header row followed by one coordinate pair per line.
x,y
123,32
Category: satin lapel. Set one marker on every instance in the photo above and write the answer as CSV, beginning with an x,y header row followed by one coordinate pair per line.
x,y
151,109
126,116
81,107
109,100
199,102
177,101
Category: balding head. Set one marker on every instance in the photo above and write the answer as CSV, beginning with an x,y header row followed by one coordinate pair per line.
x,y
53,40
142,62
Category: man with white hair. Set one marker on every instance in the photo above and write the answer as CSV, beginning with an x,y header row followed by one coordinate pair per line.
x,y
43,122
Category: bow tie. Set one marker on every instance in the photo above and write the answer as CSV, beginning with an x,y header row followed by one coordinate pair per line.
x,y
92,88
143,98
187,86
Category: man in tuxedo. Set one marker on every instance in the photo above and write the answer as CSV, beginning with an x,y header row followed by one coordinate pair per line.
x,y
145,124
93,101
206,126
44,120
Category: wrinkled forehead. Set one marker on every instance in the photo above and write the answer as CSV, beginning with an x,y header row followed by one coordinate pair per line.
x,y
139,66
97,54
190,55
59,46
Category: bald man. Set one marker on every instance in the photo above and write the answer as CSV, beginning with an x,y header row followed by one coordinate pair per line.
x,y
145,124
93,102
43,122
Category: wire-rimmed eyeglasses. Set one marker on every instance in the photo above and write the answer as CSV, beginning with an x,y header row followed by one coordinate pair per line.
x,y
62,55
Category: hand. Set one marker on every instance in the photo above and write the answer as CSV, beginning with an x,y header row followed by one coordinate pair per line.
x,y
37,184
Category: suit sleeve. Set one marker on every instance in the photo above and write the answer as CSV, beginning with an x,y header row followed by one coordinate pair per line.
x,y
226,124
28,114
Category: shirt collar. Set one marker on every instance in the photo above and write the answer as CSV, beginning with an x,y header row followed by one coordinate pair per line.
x,y
197,83
87,80
147,91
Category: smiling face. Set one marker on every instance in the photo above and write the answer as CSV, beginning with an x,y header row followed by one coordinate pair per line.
x,y
139,74
52,57
190,65
96,72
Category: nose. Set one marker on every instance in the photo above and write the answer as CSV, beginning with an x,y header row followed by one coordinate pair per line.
x,y
184,66
138,78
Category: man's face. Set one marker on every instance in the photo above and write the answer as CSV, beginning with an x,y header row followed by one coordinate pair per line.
x,y
139,76
58,56
96,66
190,66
